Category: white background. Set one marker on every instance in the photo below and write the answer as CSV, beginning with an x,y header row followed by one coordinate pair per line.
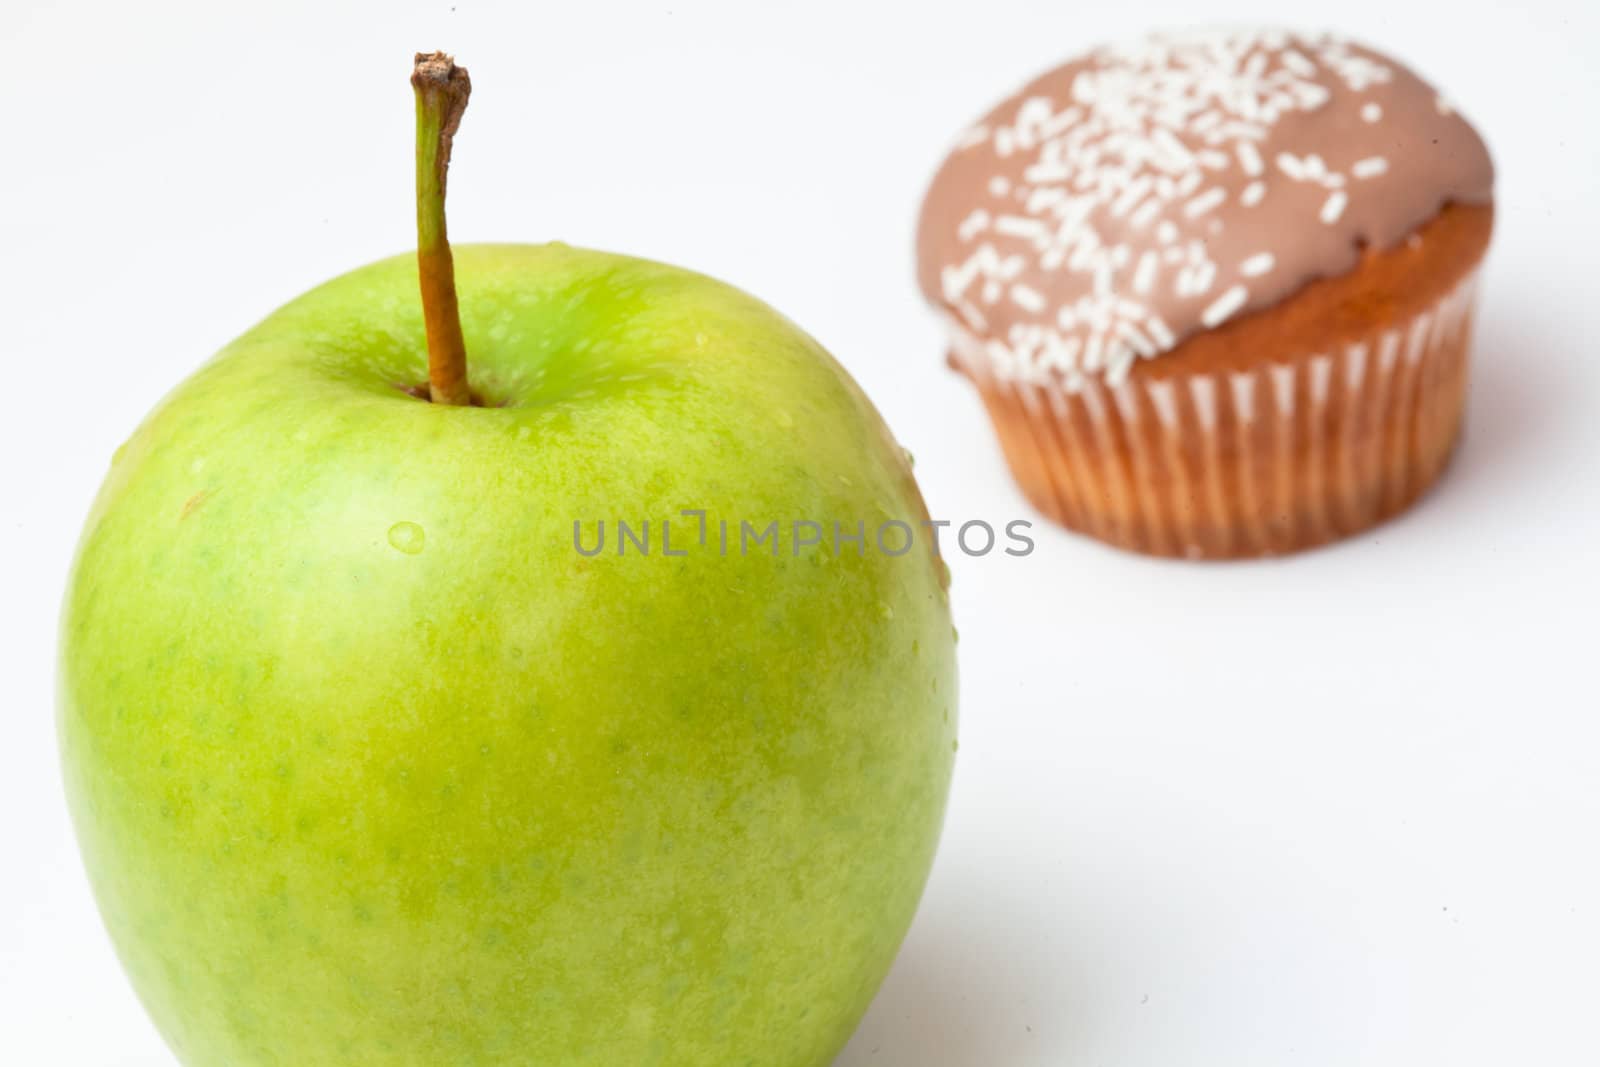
x,y
1337,809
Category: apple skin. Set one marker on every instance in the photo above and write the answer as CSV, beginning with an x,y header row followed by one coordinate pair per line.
x,y
370,766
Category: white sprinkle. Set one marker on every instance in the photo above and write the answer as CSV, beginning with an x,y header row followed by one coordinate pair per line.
x,y
1130,196
1299,63
972,137
1333,207
1311,97
1252,194
1102,280
1224,306
1239,131
1249,158
984,262
1371,112
1053,126
1442,106
1370,167
1189,182
1039,201
1147,211
1118,363
1019,226
1138,341
1257,265
1159,331
1145,273
999,185
973,225
1291,166
1166,233
1093,350
1048,171
1204,202
1062,352
1026,298
1171,146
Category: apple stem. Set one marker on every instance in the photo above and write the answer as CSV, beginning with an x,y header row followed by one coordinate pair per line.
x,y
442,89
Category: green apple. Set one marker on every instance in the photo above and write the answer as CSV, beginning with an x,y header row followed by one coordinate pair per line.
x,y
371,766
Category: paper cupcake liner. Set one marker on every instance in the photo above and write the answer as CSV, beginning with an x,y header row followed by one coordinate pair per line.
x,y
1297,452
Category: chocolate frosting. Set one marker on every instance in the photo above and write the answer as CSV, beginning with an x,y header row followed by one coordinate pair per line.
x,y
1148,191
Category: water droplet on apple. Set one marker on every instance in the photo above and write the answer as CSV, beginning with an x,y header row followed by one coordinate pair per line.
x,y
407,537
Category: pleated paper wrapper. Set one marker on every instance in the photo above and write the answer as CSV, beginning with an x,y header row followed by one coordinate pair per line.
x,y
1304,449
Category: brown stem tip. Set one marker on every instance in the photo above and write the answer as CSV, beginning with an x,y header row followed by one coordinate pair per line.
x,y
436,76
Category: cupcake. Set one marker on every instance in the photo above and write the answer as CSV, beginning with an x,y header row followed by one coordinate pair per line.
x,y
1215,288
